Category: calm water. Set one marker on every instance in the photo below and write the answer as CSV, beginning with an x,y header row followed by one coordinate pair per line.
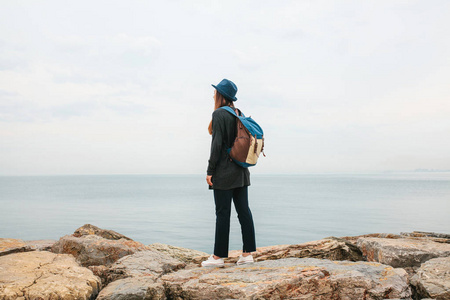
x,y
179,210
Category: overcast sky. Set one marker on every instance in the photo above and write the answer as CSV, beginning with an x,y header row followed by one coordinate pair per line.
x,y
124,87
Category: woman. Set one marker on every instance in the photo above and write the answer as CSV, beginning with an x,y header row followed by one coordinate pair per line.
x,y
228,180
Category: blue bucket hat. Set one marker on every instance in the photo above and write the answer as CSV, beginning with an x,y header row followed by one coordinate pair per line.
x,y
227,89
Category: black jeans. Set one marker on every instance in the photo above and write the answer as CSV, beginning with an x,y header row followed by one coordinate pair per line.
x,y
222,198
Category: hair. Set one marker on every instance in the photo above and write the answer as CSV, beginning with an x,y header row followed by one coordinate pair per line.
x,y
219,101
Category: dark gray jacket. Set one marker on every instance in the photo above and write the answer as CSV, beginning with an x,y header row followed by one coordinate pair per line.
x,y
226,174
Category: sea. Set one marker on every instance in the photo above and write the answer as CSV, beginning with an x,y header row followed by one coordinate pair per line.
x,y
179,209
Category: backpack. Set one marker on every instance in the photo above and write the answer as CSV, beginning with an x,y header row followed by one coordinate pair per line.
x,y
249,142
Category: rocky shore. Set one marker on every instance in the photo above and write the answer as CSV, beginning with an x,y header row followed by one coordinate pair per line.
x,y
93,263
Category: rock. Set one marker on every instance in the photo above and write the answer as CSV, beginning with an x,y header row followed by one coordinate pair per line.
x,y
91,250
183,254
41,245
353,239
330,248
134,276
8,246
102,272
133,288
426,234
437,237
149,263
288,278
146,263
45,275
432,279
401,252
419,235
89,229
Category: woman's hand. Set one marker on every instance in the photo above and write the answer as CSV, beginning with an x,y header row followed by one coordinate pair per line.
x,y
208,179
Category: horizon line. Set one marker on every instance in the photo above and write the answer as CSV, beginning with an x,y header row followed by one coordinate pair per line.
x,y
264,174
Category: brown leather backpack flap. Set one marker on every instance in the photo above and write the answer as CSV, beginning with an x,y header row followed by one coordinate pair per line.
x,y
241,146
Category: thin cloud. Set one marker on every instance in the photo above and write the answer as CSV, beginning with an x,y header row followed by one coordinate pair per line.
x,y
355,86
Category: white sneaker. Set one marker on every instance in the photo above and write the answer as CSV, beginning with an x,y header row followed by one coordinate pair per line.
x,y
212,262
245,259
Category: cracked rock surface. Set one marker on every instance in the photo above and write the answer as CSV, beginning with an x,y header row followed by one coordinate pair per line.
x,y
135,276
45,275
133,288
290,278
150,264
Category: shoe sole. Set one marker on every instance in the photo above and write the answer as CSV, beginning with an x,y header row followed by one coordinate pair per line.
x,y
218,265
244,263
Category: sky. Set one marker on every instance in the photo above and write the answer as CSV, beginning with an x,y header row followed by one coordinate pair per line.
x,y
124,87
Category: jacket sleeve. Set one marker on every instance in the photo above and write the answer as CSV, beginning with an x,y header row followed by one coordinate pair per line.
x,y
216,143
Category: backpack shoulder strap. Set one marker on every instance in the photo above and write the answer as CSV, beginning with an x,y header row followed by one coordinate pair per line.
x,y
239,112
231,111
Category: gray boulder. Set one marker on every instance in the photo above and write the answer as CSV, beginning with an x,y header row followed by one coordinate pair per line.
x,y
402,252
149,263
432,279
91,250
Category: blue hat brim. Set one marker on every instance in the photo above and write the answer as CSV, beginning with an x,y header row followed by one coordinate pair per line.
x,y
224,94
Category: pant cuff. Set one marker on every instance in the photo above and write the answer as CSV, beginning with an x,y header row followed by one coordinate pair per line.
x,y
221,256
